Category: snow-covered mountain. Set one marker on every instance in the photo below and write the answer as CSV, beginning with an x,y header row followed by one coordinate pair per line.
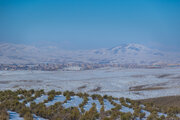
x,y
123,54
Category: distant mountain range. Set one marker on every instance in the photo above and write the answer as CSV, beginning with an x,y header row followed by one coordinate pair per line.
x,y
123,54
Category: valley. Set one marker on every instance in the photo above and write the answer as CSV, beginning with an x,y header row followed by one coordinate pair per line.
x,y
129,83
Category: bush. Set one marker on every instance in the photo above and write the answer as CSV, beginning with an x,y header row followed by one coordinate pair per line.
x,y
126,116
4,115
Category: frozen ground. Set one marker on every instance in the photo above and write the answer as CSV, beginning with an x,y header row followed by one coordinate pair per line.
x,y
131,83
14,116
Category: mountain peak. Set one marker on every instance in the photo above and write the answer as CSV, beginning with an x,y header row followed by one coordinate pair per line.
x,y
128,47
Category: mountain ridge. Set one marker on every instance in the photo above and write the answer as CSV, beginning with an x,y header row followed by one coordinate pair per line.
x,y
122,54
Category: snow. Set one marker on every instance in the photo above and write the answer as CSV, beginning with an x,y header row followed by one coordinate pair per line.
x,y
142,106
20,95
126,109
88,106
38,118
28,104
73,68
21,101
122,54
107,105
98,105
147,113
128,103
57,98
41,99
160,114
73,102
116,101
112,81
38,100
14,116
178,115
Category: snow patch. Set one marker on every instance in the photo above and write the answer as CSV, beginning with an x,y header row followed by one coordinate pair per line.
x,y
126,110
74,102
88,106
57,98
14,116
107,105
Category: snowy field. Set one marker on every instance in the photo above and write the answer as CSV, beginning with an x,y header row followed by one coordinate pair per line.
x,y
131,83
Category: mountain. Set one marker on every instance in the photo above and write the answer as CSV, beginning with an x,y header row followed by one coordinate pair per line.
x,y
123,54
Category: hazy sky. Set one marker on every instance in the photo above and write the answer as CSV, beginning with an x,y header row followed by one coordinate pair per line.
x,y
89,24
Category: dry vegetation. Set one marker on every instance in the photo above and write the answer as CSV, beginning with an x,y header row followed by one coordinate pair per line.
x,y
144,87
9,100
169,101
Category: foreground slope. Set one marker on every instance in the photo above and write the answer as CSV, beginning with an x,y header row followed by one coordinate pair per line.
x,y
54,105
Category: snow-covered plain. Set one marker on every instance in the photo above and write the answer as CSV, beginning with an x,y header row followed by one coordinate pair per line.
x,y
111,81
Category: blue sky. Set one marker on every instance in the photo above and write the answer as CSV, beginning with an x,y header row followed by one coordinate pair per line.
x,y
90,24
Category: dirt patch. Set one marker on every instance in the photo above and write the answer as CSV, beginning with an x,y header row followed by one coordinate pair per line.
x,y
31,81
96,89
138,76
163,75
178,77
168,101
82,87
5,82
16,86
145,87
137,93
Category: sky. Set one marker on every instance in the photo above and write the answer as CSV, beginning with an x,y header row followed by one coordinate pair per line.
x,y
91,24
